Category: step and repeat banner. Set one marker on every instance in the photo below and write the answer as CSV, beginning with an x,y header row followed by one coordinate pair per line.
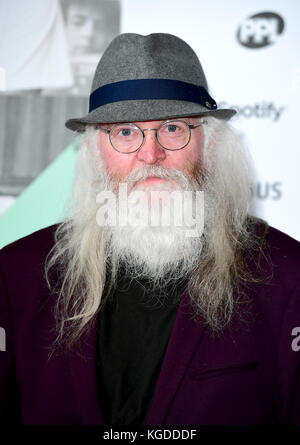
x,y
250,52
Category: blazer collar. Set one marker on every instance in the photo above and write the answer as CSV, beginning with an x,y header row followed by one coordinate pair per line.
x,y
83,370
185,337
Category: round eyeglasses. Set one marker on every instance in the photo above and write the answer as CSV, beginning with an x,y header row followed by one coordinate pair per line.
x,y
171,135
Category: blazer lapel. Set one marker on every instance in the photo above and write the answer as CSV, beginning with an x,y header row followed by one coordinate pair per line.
x,y
184,339
83,370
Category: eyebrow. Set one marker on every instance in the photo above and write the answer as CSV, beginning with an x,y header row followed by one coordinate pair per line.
x,y
105,125
189,120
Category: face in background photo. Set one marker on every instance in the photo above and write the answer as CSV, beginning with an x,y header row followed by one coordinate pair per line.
x,y
90,25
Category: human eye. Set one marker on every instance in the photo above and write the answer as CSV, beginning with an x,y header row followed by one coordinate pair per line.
x,y
124,135
78,20
125,132
172,128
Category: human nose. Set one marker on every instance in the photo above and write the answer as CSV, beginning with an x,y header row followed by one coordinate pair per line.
x,y
88,29
150,152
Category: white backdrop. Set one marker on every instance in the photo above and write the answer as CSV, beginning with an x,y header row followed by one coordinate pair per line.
x,y
261,81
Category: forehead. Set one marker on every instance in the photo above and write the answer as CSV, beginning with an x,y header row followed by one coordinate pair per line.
x,y
156,123
83,10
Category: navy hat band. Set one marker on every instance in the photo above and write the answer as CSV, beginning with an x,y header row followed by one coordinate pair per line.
x,y
140,89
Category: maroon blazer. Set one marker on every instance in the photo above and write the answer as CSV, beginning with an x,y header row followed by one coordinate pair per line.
x,y
248,374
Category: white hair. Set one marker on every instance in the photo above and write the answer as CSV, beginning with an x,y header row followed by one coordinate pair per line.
x,y
213,262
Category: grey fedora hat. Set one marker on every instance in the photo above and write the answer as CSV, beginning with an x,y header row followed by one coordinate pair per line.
x,y
143,78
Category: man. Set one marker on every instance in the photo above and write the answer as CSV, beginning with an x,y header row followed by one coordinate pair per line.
x,y
89,25
121,315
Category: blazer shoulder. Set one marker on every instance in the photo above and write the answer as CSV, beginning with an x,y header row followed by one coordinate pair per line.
x,y
280,260
274,243
29,249
283,248
283,242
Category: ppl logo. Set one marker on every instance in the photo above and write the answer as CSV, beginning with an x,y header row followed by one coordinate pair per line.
x,y
260,30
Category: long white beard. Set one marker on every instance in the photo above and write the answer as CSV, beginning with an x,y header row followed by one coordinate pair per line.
x,y
161,252
83,249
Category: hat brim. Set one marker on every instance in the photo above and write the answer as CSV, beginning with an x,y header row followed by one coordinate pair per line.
x,y
145,110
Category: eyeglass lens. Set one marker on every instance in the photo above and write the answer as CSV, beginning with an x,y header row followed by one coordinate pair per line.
x,y
171,135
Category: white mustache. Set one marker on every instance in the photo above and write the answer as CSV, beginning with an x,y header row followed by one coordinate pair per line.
x,y
142,174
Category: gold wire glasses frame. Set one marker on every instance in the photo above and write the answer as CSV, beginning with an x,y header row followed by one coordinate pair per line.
x,y
141,133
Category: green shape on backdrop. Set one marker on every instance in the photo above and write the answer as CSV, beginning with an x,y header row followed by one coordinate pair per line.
x,y
43,202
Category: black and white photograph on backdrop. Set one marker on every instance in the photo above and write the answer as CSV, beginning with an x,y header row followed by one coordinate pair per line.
x,y
89,26
49,65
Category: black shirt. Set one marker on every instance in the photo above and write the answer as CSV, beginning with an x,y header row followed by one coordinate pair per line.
x,y
134,329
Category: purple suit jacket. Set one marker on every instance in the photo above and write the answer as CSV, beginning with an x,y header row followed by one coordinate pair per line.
x,y
248,374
